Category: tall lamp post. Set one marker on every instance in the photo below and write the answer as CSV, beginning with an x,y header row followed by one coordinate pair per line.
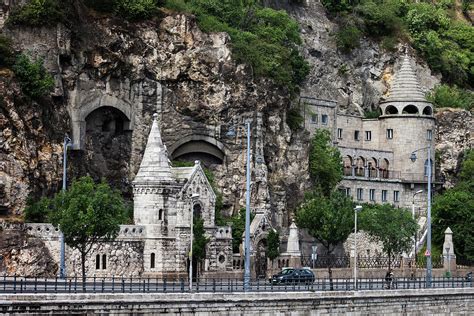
x,y
62,261
231,132
194,197
428,236
414,218
357,209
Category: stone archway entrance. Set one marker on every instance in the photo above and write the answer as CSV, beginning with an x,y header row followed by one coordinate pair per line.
x,y
261,259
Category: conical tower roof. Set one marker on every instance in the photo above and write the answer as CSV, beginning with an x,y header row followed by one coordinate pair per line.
x,y
155,166
406,86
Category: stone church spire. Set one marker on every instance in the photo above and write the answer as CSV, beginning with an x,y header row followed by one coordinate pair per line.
x,y
155,166
406,86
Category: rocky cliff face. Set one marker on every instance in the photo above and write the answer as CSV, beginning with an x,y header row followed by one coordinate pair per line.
x,y
111,76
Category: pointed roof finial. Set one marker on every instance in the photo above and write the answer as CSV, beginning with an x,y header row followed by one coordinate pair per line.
x,y
406,86
155,164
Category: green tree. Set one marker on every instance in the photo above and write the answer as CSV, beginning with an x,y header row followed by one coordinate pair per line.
x,y
455,209
6,52
238,228
37,212
454,97
324,162
329,219
88,213
35,82
391,226
273,245
37,13
199,240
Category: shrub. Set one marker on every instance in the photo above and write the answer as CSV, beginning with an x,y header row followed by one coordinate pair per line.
x,y
372,114
6,52
335,6
37,13
348,38
34,80
424,17
381,17
135,10
294,119
37,212
106,6
446,96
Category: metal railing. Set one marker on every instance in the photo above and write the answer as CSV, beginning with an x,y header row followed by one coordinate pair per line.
x,y
326,261
35,285
464,263
379,262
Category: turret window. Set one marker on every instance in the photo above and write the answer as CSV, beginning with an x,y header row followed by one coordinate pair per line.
x,y
356,135
429,134
389,133
368,135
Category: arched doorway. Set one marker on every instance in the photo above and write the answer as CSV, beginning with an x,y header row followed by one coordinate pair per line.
x,y
261,259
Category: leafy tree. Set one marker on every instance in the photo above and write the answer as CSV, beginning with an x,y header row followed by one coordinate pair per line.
x,y
199,240
37,212
273,245
348,38
37,13
6,52
329,219
455,209
294,119
135,10
35,82
238,229
324,162
86,214
391,226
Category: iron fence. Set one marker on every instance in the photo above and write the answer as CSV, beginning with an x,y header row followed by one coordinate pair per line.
x,y
464,263
34,285
379,262
326,262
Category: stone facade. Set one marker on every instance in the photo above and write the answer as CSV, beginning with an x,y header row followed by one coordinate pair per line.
x,y
376,152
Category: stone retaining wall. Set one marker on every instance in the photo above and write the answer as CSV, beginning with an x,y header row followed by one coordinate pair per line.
x,y
406,302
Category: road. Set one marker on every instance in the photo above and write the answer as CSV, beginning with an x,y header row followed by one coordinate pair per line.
x,y
127,285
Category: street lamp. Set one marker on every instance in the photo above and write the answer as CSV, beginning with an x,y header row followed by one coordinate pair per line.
x,y
194,197
428,236
62,261
231,132
413,215
357,209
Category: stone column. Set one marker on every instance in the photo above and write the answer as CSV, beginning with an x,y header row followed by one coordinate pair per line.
x,y
449,258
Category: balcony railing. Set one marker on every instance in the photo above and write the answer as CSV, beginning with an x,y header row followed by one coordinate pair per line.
x,y
371,173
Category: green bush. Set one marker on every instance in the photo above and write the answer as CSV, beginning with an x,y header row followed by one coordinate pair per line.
x,y
372,114
294,119
105,6
446,96
37,212
37,13
381,18
135,10
34,80
335,6
6,52
348,38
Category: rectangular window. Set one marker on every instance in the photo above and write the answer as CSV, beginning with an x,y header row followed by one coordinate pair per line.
x,y
368,135
339,133
389,133
429,134
396,196
372,194
324,119
314,118
348,191
360,194
384,195
356,135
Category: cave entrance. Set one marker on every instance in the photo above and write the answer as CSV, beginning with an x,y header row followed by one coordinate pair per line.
x,y
107,148
198,147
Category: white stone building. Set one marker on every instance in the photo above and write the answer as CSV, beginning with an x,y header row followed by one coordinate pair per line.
x,y
376,152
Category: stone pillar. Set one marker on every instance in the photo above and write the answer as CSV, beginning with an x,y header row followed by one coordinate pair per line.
x,y
449,258
293,247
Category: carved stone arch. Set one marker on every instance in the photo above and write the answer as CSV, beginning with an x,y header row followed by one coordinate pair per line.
x,y
391,110
410,109
428,110
198,147
80,114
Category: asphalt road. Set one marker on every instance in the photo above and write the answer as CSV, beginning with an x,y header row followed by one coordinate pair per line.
x,y
119,285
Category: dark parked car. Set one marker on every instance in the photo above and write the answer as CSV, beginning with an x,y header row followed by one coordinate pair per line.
x,y
293,276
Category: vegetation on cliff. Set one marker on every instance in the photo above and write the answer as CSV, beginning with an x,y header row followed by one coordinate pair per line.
x,y
455,209
434,28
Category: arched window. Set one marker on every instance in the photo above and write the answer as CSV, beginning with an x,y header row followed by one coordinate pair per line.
x,y
410,109
391,110
97,262
360,167
372,166
347,163
104,262
426,167
197,210
160,214
427,110
152,260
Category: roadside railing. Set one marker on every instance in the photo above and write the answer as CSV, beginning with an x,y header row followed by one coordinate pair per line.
x,y
17,284
326,261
